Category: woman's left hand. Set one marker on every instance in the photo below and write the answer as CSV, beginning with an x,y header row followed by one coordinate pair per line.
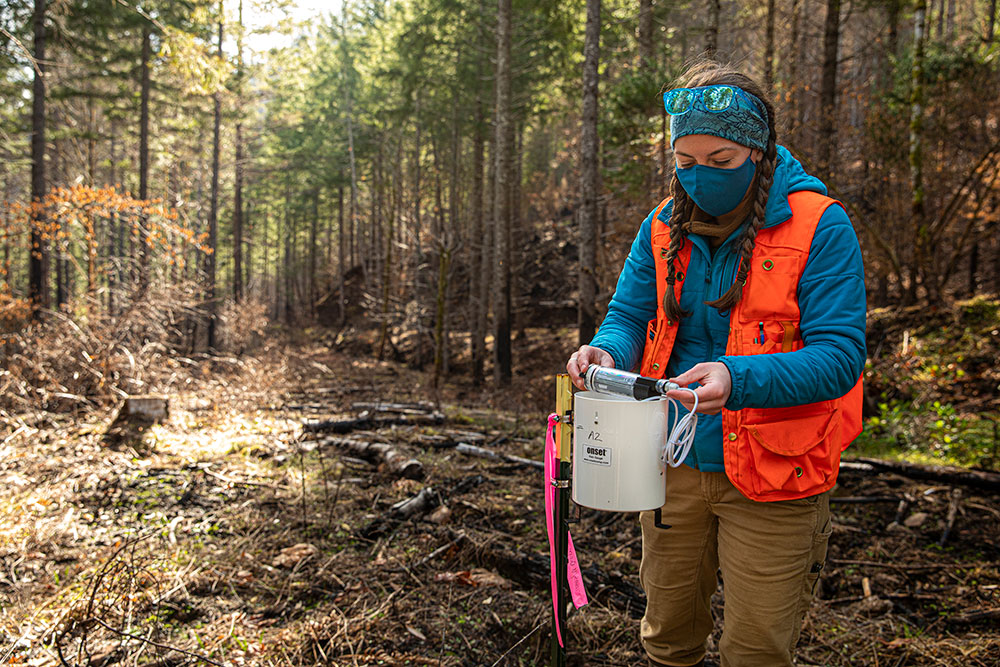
x,y
713,392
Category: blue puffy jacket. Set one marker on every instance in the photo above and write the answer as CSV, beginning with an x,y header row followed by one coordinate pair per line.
x,y
831,297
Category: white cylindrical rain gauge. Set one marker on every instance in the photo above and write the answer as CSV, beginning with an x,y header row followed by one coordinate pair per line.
x,y
617,445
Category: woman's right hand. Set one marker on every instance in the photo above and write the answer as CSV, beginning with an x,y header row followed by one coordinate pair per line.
x,y
584,357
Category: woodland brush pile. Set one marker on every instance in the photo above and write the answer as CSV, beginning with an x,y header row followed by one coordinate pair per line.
x,y
72,361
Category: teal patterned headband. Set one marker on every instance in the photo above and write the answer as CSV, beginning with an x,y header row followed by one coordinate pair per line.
x,y
744,121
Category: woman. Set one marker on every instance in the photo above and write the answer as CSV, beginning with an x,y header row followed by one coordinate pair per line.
x,y
747,285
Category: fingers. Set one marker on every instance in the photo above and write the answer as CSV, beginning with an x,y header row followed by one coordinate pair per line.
x,y
713,393
582,359
696,373
708,402
573,368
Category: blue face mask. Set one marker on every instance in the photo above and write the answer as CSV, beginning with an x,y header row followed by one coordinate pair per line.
x,y
717,191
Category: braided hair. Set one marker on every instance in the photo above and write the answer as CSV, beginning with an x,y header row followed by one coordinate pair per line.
x,y
707,72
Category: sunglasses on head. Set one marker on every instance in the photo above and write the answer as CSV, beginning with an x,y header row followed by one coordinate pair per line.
x,y
713,98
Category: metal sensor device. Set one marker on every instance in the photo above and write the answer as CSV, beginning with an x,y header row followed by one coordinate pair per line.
x,y
622,383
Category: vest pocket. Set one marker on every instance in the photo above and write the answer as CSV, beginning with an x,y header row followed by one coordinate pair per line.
x,y
774,279
794,431
792,452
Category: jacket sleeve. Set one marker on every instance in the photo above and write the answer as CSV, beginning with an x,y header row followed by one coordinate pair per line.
x,y
623,332
832,308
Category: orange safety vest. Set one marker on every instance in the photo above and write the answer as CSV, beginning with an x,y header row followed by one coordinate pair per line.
x,y
769,453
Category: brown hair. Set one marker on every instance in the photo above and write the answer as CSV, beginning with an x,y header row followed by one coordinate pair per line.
x,y
706,72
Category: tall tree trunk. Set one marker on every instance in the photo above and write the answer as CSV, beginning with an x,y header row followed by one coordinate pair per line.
x,y
238,185
418,252
794,55
589,177
117,239
769,47
478,248
6,284
645,37
502,221
440,348
991,22
313,241
517,231
664,171
143,247
59,247
453,209
248,229
395,209
289,285
828,90
340,253
712,28
352,212
37,292
213,213
91,144
918,214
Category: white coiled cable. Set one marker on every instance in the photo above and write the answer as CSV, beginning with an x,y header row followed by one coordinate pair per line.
x,y
681,437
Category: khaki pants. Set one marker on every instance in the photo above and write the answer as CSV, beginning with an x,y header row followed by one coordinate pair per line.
x,y
770,556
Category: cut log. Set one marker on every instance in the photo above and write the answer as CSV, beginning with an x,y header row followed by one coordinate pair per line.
x,y
977,479
151,409
134,416
368,420
449,438
407,508
391,458
969,617
415,507
484,453
418,408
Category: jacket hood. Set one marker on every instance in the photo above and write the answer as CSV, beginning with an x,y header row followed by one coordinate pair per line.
x,y
789,176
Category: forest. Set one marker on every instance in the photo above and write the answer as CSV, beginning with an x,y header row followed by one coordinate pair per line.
x,y
286,288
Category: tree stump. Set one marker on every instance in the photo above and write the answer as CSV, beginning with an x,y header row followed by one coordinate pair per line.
x,y
133,418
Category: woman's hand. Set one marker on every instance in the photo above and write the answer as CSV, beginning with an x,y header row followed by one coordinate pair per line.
x,y
716,384
584,357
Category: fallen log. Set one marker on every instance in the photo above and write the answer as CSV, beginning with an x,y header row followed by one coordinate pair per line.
x,y
481,452
970,617
977,479
370,420
418,408
415,507
449,438
391,458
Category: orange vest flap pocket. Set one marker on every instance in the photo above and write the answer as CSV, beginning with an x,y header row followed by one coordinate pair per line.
x,y
794,436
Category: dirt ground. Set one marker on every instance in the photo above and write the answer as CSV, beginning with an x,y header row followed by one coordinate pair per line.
x,y
228,536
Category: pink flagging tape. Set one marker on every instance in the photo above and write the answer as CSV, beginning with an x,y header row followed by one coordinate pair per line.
x,y
573,574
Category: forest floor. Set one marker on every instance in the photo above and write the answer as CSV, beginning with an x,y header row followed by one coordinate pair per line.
x,y
228,535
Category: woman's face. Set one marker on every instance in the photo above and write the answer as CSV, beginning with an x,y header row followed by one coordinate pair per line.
x,y
711,151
